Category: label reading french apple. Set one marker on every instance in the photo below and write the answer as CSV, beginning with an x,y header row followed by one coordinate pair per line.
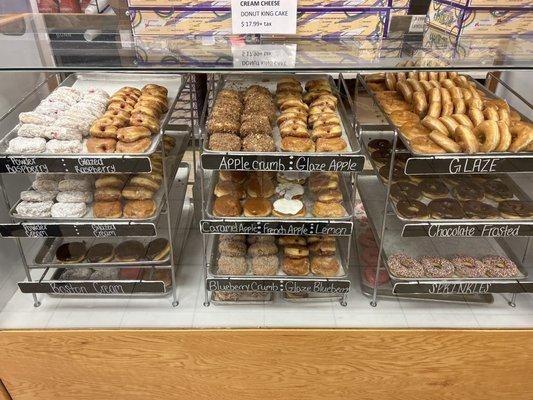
x,y
272,17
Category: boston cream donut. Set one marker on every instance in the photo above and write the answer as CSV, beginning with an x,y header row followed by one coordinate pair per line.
x,y
285,208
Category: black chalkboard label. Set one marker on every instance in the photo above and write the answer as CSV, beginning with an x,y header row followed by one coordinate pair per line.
x,y
235,162
330,286
265,227
468,230
37,230
110,288
465,288
469,164
79,165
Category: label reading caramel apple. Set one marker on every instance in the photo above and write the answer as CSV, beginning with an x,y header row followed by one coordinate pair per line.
x,y
111,288
469,165
233,162
79,165
272,17
266,227
330,286
468,230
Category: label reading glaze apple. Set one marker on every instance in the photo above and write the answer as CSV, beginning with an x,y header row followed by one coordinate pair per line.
x,y
272,17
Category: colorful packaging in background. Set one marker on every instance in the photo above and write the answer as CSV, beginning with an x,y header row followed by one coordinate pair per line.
x,y
493,3
460,20
68,6
208,4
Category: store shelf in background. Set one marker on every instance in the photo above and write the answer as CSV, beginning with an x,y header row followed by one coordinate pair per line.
x,y
373,197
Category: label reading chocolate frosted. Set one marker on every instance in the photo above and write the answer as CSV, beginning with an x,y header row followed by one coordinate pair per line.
x,y
474,230
282,162
330,286
277,228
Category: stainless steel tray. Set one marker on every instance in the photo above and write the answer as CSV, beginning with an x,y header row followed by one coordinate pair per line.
x,y
270,81
414,152
343,273
110,82
307,200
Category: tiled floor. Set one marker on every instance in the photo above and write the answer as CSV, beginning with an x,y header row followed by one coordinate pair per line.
x,y
191,313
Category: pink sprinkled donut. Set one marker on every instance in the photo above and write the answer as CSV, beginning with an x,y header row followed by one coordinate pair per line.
x,y
403,266
468,267
369,276
437,267
500,267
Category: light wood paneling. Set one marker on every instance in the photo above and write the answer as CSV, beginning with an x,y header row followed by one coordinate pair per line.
x,y
268,364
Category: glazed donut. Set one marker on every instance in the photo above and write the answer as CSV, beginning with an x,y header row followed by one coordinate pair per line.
x,y
445,95
121,115
152,91
434,95
101,145
129,89
462,119
450,124
405,90
442,75
120,105
488,135
139,146
326,145
491,114
420,103
326,131
102,129
123,97
459,106
476,116
139,119
433,76
474,103
415,85
448,84
401,76
152,112
497,104
412,75
514,115
390,81
411,130
154,106
298,112
294,104
426,85
326,119
434,109
423,76
522,136
504,116
402,117
434,124
467,139
132,133
475,94
435,83
505,137
320,110
466,94
293,128
162,103
424,145
445,142
447,109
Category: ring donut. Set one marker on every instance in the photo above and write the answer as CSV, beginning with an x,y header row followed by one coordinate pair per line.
x,y
463,119
504,116
426,86
424,145
466,138
456,93
447,109
390,81
120,105
445,95
461,81
405,90
139,119
123,97
505,137
522,136
433,76
401,76
445,142
434,95
103,129
515,116
497,104
450,123
415,85
459,106
452,74
435,83
420,103
101,145
423,76
120,114
476,116
466,94
488,135
434,109
447,83
442,76
433,124
129,89
491,114
474,92
412,75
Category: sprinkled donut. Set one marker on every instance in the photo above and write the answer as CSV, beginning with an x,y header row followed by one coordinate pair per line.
x,y
500,267
468,267
403,266
437,267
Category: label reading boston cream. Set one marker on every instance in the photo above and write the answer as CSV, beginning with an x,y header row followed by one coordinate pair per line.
x,y
276,228
263,16
264,56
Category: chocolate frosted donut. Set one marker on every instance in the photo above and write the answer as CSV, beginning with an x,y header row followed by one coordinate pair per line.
x,y
379,144
71,252
404,191
381,156
437,267
397,173
401,159
412,209
478,210
100,252
470,191
497,190
433,188
445,209
516,209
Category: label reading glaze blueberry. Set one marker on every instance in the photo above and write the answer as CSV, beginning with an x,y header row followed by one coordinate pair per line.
x,y
469,165
276,228
468,230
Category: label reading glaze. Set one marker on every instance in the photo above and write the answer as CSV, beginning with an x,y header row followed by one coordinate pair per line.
x,y
272,17
469,165
470,230
276,228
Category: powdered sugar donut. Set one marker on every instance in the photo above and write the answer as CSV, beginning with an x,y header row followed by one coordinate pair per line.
x,y
96,92
52,105
468,267
48,176
68,121
33,117
75,196
66,210
500,267
67,185
47,185
34,208
37,195
63,146
62,133
403,266
33,131
26,145
437,267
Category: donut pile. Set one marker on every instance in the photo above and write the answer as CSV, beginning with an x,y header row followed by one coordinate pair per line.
x,y
131,118
242,121
59,122
265,194
308,121
56,196
461,266
260,255
443,112
368,254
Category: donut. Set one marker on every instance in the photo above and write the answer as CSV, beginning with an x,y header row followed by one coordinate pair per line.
x,y
34,208
437,267
369,255
139,146
434,109
447,83
161,102
403,266
101,145
491,114
391,104
257,142
466,94
379,144
488,135
445,96
521,136
369,275
327,118
390,81
75,196
401,76
412,75
426,85
474,102
405,89
102,128
118,97
445,142
412,209
325,266
424,145
224,142
412,130
415,85
65,210
462,119
405,191
120,105
497,190
478,210
433,188
63,146
455,92
398,173
450,123
459,106
471,191
500,267
139,119
476,116
434,83
420,103
516,209
445,209
295,266
433,124
505,137
447,109
434,95
326,145
288,208
467,139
